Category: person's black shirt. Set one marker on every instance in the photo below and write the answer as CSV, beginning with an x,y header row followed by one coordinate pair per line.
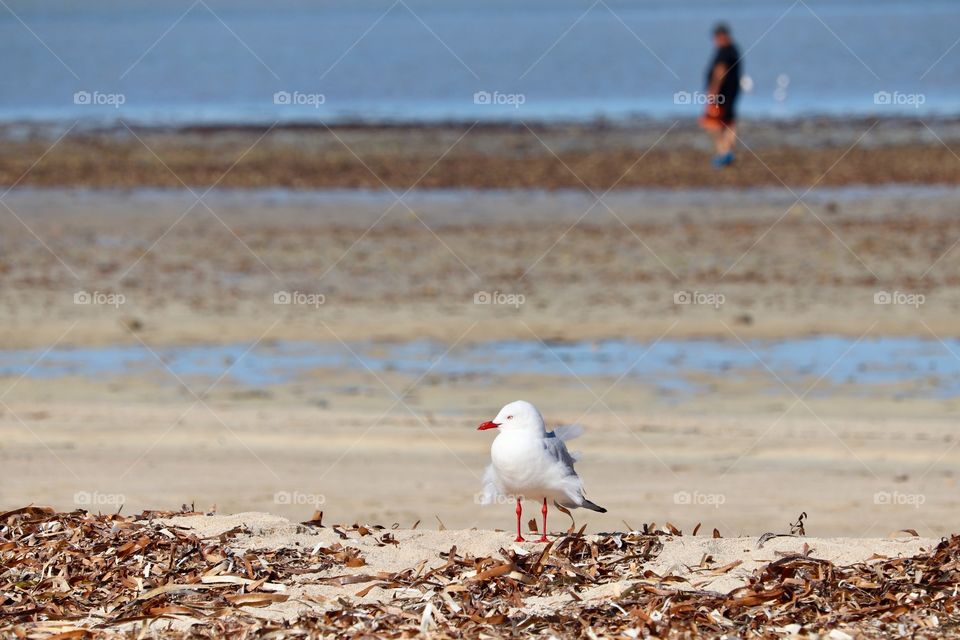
x,y
730,83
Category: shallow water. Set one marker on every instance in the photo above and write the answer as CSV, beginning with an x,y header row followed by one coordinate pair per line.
x,y
487,202
903,366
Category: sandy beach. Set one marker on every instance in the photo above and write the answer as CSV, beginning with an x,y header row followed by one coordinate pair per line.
x,y
295,302
745,465
871,466
771,442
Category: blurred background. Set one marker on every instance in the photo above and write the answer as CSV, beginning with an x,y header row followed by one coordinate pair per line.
x,y
286,256
216,63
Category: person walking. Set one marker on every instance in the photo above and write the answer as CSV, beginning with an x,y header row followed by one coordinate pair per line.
x,y
723,87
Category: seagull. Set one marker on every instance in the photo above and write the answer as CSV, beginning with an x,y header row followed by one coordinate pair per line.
x,y
528,462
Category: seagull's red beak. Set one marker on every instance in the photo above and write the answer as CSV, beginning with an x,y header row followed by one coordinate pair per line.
x,y
488,425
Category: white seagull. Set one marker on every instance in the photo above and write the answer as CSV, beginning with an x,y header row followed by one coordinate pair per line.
x,y
528,462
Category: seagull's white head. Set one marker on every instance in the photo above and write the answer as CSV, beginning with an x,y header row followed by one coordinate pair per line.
x,y
516,416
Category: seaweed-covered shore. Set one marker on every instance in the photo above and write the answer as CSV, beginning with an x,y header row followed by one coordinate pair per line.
x,y
193,575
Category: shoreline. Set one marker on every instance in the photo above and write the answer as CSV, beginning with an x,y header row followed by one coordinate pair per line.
x,y
669,155
692,196
596,123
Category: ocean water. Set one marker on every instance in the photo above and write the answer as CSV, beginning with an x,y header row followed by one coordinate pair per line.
x,y
881,366
251,61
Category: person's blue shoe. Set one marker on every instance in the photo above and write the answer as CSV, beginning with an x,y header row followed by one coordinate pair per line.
x,y
724,160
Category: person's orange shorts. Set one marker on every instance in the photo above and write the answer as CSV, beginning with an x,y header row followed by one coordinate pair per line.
x,y
716,117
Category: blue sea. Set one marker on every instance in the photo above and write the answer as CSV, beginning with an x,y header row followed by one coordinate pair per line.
x,y
187,62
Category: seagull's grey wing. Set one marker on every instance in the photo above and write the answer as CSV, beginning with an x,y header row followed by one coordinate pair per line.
x,y
568,480
558,451
566,432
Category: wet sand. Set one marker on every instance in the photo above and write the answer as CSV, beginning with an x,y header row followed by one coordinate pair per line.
x,y
564,266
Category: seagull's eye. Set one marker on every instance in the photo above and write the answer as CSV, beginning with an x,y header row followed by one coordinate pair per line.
x,y
509,417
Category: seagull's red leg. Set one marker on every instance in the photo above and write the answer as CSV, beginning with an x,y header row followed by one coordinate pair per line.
x,y
519,511
543,538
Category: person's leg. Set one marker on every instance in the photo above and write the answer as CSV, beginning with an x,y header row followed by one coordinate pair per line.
x,y
718,140
728,139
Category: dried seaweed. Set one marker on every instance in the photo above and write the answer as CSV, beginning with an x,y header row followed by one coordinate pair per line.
x,y
77,575
797,528
110,569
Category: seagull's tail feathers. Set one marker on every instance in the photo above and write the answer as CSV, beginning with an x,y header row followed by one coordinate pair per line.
x,y
583,503
593,507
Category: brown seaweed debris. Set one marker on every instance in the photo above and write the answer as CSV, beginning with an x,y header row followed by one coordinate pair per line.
x,y
77,575
107,570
